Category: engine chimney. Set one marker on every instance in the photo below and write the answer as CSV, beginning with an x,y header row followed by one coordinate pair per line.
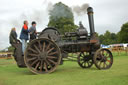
x,y
91,20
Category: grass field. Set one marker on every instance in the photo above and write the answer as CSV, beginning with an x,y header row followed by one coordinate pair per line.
x,y
68,74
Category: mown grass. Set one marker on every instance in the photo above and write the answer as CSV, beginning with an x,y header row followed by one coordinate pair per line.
x,y
68,74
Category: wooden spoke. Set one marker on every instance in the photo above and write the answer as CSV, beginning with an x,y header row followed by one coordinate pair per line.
x,y
37,48
32,58
53,53
43,46
45,65
34,62
48,63
37,65
40,45
52,61
48,47
32,50
50,50
34,55
41,66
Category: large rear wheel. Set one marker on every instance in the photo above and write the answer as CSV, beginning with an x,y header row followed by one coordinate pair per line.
x,y
42,56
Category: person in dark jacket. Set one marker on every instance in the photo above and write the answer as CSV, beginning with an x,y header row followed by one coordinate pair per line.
x,y
32,31
13,40
13,36
24,36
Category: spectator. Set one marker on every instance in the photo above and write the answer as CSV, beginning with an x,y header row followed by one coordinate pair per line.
x,y
13,40
13,36
24,36
32,31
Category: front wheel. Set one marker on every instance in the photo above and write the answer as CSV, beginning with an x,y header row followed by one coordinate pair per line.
x,y
84,60
103,59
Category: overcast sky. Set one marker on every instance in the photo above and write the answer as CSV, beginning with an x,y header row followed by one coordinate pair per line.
x,y
109,15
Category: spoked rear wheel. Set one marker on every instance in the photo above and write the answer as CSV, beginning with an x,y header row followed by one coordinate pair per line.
x,y
42,56
103,59
85,60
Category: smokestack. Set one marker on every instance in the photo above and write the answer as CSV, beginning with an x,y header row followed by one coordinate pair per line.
x,y
91,20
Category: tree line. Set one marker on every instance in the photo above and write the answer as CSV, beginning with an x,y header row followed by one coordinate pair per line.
x,y
113,38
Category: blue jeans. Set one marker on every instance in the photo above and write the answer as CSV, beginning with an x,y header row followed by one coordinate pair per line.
x,y
24,45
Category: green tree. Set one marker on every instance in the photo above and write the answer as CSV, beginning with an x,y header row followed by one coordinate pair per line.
x,y
61,17
101,38
113,38
123,34
108,38
118,37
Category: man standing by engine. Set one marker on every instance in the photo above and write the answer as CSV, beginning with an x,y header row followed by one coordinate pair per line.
x,y
32,31
24,36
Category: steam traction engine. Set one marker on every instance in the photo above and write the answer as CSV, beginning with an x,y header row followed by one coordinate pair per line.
x,y
44,54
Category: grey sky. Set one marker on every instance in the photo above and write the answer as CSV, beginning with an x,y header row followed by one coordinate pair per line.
x,y
109,15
